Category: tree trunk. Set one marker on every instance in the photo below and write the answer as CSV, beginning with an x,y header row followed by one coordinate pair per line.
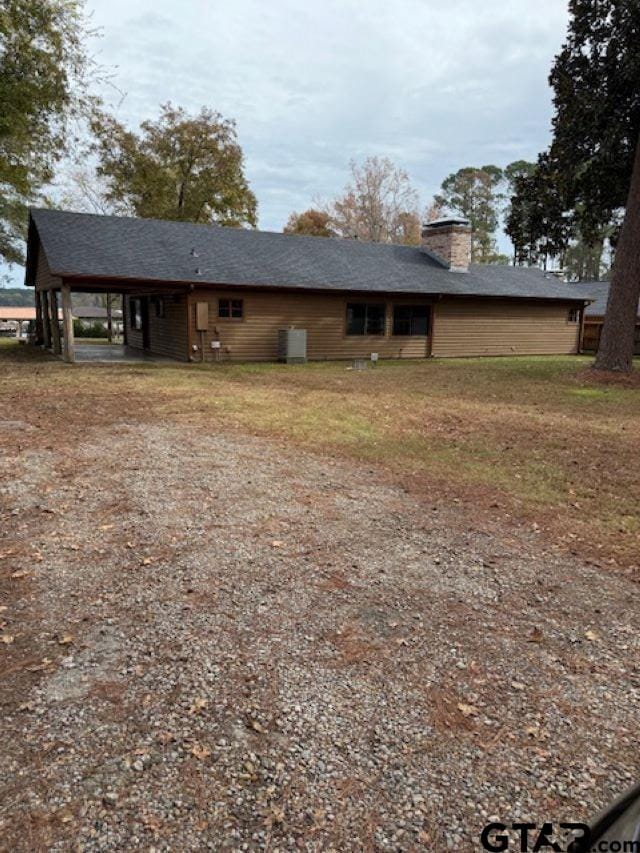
x,y
617,340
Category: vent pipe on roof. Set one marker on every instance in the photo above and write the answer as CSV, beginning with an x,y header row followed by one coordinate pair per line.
x,y
448,241
193,253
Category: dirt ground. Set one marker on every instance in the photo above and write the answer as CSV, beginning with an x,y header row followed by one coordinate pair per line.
x,y
218,640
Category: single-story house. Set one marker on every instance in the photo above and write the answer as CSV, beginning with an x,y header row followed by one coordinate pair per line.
x,y
198,292
594,315
90,315
15,318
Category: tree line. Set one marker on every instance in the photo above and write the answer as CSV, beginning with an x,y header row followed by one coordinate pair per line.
x,y
585,188
55,130
578,202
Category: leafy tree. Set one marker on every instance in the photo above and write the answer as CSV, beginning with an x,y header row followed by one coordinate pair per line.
x,y
536,221
379,205
596,149
477,195
17,296
515,170
590,261
313,223
179,167
44,73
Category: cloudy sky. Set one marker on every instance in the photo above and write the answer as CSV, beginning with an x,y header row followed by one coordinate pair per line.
x,y
434,85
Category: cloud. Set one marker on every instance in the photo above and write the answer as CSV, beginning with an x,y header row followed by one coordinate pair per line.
x,y
433,85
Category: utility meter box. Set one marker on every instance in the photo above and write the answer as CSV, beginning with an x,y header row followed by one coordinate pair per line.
x,y
202,316
292,346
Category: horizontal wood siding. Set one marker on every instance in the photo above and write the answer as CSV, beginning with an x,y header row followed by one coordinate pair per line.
x,y
593,331
134,336
470,327
44,279
168,335
255,336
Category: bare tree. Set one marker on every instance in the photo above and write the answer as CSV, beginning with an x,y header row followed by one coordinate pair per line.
x,y
433,211
378,205
82,190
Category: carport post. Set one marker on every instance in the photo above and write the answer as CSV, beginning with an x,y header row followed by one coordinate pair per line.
x,y
46,319
39,336
55,322
67,323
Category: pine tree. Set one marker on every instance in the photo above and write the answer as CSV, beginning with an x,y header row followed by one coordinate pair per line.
x,y
596,149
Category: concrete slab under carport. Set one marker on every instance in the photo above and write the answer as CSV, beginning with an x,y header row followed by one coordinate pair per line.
x,y
91,353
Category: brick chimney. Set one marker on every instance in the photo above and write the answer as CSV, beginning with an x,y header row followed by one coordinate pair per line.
x,y
448,241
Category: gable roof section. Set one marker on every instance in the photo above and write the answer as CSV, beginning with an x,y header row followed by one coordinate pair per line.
x,y
92,246
599,292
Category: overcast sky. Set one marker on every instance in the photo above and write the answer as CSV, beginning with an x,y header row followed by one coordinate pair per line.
x,y
434,85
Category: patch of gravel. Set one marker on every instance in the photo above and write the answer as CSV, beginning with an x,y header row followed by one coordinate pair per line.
x,y
242,646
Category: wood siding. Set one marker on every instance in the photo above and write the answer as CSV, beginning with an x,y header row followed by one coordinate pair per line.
x,y
255,336
44,279
472,327
461,327
593,331
168,335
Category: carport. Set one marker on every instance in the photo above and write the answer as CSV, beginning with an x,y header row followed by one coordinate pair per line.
x,y
92,353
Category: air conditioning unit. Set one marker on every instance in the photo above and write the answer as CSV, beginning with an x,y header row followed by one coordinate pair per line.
x,y
292,346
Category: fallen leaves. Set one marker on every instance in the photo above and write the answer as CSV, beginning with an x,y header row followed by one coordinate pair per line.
x,y
198,706
535,636
21,573
200,751
38,667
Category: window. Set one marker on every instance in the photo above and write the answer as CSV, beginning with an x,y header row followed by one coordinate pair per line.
x,y
365,318
159,307
411,319
136,313
232,308
574,315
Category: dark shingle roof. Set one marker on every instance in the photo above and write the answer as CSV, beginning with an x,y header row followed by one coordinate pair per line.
x,y
599,292
156,250
94,312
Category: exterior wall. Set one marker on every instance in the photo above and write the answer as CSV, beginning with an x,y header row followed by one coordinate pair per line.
x,y
461,327
255,336
44,279
593,330
168,335
471,327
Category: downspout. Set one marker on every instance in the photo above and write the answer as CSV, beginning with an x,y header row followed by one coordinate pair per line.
x,y
431,325
581,338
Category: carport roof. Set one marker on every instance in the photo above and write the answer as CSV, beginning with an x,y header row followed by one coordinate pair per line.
x,y
90,246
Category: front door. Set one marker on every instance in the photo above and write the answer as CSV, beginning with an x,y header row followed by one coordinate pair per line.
x,y
144,311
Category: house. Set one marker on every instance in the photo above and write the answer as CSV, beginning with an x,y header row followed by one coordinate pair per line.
x,y
594,315
14,320
197,292
92,315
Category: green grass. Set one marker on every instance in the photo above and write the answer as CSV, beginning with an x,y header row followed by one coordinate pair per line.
x,y
541,437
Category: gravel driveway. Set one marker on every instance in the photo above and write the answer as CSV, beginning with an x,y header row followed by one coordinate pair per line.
x,y
220,642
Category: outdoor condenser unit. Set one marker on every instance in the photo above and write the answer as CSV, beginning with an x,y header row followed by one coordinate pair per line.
x,y
292,346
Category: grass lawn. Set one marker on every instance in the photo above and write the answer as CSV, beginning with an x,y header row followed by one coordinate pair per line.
x,y
535,441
